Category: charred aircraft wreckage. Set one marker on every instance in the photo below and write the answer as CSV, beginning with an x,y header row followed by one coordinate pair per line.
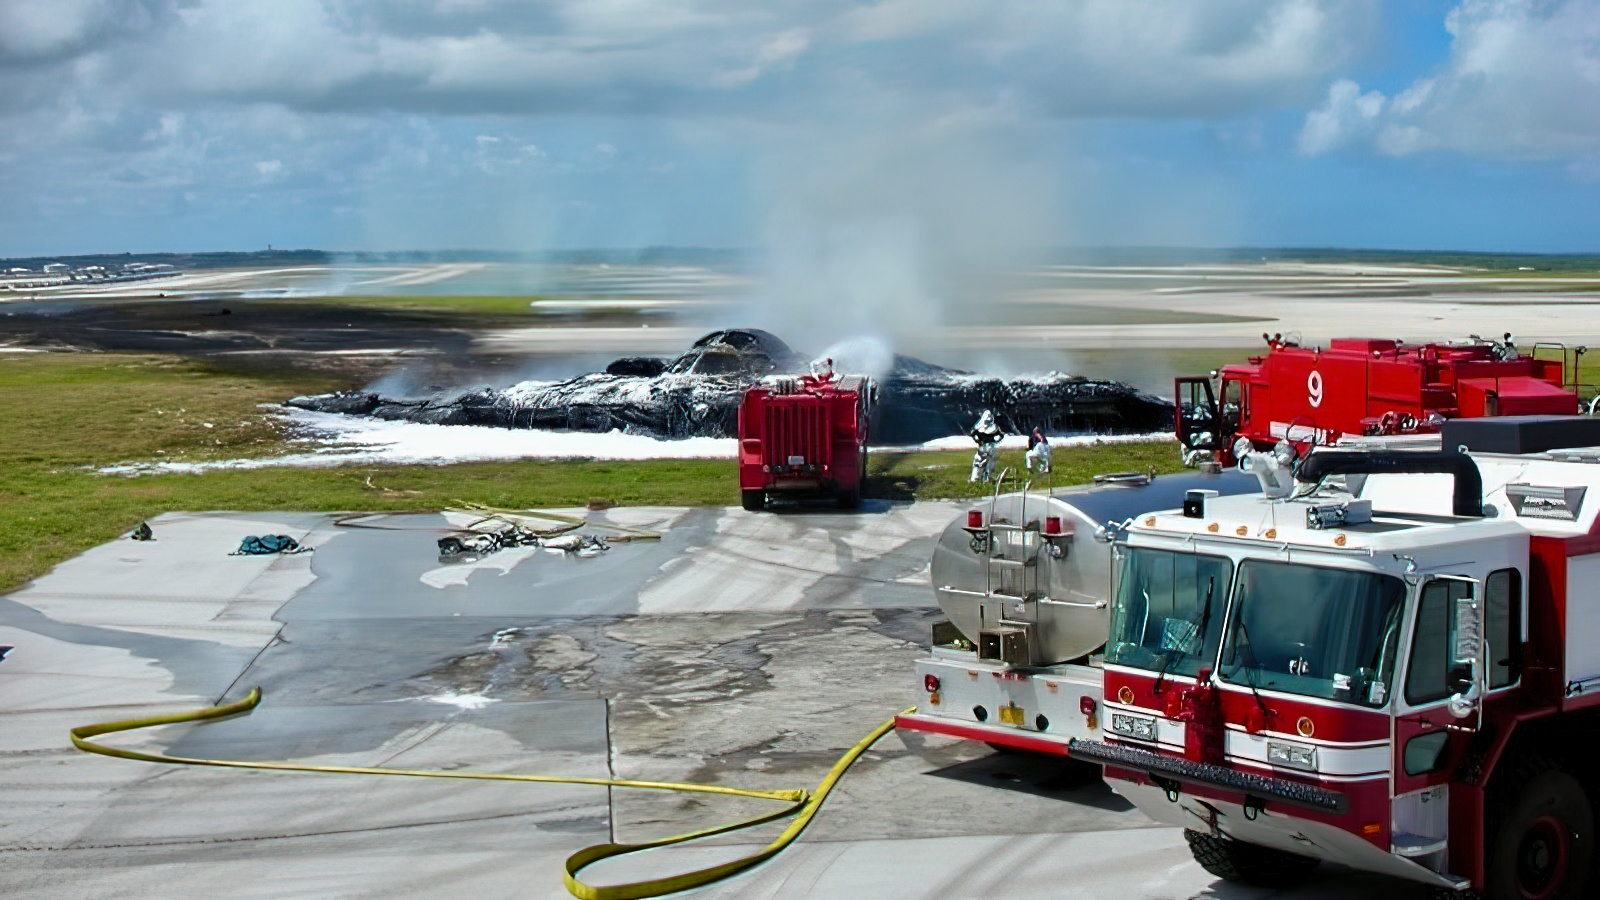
x,y
697,394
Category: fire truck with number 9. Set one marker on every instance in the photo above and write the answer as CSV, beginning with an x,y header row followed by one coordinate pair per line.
x,y
1367,387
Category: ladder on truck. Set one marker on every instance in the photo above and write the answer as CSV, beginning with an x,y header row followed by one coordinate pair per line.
x,y
1012,581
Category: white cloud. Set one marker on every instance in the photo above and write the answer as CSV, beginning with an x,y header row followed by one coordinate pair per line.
x,y
1522,81
1086,57
1345,115
167,109
33,31
783,48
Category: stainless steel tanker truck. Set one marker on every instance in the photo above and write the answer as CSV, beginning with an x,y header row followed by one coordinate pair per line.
x,y
1024,579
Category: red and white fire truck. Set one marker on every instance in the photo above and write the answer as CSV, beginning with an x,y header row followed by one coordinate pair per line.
x,y
805,436
1365,387
1388,659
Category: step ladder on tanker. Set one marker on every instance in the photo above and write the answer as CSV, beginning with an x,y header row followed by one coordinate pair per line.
x,y
1012,590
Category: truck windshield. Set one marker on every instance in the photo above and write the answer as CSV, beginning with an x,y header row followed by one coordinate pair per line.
x,y
1169,610
1316,632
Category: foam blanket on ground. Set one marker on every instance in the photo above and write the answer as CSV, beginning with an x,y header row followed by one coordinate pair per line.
x,y
697,394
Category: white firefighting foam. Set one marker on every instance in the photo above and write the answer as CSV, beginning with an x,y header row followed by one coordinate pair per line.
x,y
341,440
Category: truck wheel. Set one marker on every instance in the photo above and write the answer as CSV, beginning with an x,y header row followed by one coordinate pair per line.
x,y
753,501
849,499
1248,863
1541,842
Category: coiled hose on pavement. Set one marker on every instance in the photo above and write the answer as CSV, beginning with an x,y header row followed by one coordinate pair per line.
x,y
801,804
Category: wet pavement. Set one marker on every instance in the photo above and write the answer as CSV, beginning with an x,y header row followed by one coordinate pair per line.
x,y
745,650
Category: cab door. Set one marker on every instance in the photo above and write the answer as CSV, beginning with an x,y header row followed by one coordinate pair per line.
x,y
1444,668
1198,418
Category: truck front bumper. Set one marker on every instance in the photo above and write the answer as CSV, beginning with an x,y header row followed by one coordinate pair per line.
x,y
1175,771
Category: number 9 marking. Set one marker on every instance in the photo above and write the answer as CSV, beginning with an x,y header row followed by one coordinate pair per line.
x,y
1314,388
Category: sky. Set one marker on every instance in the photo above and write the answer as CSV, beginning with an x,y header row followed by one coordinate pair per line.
x,y
825,128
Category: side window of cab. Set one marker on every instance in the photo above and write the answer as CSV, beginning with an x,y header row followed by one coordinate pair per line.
x,y
1428,679
1502,593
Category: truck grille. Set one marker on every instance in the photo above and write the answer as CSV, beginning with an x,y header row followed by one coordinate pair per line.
x,y
797,428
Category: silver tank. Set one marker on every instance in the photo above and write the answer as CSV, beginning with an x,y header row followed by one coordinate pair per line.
x,y
1012,577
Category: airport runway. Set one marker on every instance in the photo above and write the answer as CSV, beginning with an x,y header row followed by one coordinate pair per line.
x,y
745,650
1065,308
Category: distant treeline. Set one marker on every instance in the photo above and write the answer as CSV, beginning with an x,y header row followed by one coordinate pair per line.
x,y
181,260
731,257
681,256
1174,256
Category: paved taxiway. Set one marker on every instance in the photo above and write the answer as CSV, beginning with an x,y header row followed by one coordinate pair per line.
x,y
741,649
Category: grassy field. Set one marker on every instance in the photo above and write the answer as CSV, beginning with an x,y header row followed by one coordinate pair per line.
x,y
63,415
466,305
490,307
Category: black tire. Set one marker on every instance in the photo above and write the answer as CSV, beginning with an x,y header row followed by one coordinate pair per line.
x,y
753,501
849,499
1248,863
1540,840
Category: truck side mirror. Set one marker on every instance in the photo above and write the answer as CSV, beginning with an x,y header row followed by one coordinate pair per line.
x,y
1466,671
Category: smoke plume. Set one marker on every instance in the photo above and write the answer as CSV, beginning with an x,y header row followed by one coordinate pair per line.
x,y
887,232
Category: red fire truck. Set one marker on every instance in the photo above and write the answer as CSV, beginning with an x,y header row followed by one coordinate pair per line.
x,y
1389,660
1360,386
805,436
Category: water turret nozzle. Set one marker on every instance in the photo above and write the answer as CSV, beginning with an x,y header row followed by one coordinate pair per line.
x,y
1274,470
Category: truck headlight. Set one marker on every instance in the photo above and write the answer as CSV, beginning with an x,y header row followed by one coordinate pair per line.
x,y
1141,727
1292,755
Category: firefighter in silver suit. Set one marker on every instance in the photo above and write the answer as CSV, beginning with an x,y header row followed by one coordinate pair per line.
x,y
1038,453
987,435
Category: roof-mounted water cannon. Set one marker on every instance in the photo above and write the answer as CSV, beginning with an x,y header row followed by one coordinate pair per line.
x,y
1274,469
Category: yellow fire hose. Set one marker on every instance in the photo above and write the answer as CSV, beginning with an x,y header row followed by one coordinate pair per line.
x,y
801,804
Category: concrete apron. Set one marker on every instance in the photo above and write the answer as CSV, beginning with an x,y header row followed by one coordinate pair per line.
x,y
742,649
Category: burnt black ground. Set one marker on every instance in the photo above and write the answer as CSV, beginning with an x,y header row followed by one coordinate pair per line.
x,y
274,336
